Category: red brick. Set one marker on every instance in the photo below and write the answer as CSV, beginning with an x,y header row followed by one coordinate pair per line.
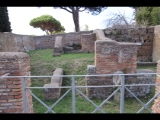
x,y
16,90
7,104
15,93
14,86
19,96
18,103
10,111
15,106
6,97
8,82
17,83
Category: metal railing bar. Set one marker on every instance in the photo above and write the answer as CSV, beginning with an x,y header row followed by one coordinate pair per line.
x,y
134,96
107,98
4,75
24,95
39,100
86,98
75,87
94,86
139,74
149,102
60,98
137,99
73,95
122,94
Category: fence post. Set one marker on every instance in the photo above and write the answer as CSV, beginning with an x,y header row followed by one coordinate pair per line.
x,y
24,95
73,95
122,94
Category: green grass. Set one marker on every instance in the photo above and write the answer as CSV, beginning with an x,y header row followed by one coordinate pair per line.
x,y
43,64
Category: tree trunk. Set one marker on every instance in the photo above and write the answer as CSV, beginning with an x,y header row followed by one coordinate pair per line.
x,y
75,14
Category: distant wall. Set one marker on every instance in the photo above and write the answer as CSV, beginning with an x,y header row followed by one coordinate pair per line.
x,y
43,42
147,36
144,35
10,42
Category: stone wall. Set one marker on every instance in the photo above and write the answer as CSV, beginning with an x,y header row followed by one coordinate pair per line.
x,y
17,64
10,42
144,35
43,42
156,105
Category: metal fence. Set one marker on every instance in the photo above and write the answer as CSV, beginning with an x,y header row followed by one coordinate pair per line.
x,y
75,88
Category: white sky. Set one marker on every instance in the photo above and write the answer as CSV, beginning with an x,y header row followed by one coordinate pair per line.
x,y
20,18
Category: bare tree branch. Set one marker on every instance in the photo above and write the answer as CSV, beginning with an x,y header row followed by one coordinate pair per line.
x,y
117,20
66,9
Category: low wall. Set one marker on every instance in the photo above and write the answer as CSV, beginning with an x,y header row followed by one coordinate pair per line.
x,y
10,42
11,98
43,42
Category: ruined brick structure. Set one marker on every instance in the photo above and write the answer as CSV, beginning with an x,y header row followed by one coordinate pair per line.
x,y
144,35
11,99
147,36
110,57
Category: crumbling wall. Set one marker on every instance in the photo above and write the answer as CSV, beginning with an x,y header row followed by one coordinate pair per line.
x,y
144,35
112,56
87,42
48,41
10,42
11,95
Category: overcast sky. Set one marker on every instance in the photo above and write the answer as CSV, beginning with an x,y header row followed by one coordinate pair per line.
x,y
20,18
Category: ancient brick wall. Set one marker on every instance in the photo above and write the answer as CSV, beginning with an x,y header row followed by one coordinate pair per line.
x,y
43,42
87,42
17,64
10,42
156,105
112,56
144,35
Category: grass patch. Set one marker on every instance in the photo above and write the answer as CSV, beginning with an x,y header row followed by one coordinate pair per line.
x,y
43,64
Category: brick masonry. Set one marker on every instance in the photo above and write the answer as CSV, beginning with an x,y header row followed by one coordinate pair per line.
x,y
88,41
112,56
144,35
156,105
17,64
